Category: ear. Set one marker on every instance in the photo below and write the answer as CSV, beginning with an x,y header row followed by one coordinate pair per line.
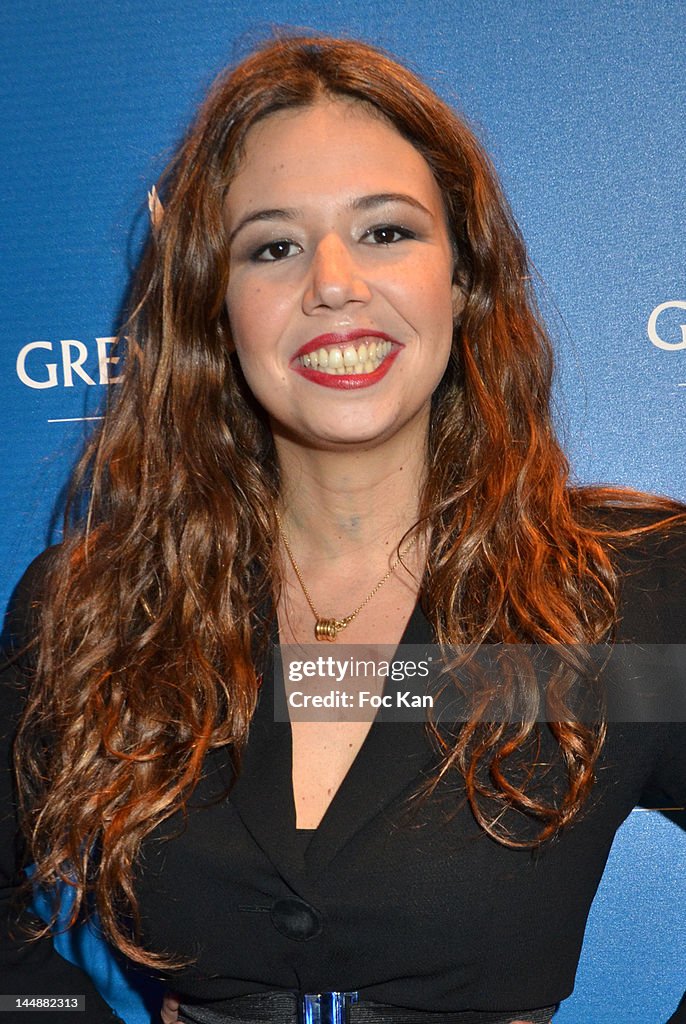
x,y
459,300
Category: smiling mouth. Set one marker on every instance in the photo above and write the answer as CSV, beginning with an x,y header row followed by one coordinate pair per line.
x,y
340,360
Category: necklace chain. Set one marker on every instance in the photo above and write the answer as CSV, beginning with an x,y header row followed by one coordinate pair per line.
x,y
328,629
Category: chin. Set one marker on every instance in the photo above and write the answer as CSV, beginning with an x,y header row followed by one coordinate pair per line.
x,y
365,440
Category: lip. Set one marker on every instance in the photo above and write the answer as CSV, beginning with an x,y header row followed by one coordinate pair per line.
x,y
345,381
324,340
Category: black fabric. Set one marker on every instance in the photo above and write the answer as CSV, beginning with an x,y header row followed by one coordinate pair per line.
x,y
282,1008
33,968
303,837
412,906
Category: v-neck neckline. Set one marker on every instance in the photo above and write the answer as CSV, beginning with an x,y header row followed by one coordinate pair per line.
x,y
412,627
389,759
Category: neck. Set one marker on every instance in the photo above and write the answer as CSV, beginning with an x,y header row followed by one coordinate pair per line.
x,y
342,503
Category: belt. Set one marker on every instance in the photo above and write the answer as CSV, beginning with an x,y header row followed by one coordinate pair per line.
x,y
339,1008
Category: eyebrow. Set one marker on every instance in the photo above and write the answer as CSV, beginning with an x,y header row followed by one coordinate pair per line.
x,y
361,203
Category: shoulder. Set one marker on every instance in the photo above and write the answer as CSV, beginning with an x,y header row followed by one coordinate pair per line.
x,y
19,639
648,552
647,549
23,609
17,663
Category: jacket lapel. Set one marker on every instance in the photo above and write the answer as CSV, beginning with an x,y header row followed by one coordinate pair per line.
x,y
263,793
389,762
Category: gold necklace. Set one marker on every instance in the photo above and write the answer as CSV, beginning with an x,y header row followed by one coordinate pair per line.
x,y
328,629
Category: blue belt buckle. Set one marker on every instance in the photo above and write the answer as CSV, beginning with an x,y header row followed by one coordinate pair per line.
x,y
326,1007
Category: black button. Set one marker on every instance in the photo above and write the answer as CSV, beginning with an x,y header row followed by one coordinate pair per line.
x,y
295,918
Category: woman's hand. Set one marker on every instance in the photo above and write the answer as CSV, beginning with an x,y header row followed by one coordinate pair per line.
x,y
170,1009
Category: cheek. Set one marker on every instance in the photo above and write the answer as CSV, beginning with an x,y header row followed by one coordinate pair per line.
x,y
425,294
258,321
247,327
432,311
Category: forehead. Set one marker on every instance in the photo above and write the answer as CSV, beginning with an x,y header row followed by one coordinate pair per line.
x,y
334,149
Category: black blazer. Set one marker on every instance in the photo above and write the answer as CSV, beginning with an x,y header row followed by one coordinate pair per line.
x,y
415,908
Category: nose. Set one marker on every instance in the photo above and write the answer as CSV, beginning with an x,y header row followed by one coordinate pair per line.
x,y
335,278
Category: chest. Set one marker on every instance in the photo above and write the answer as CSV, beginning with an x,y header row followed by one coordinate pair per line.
x,y
323,752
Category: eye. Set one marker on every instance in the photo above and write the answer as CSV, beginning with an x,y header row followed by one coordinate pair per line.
x,y
272,252
387,234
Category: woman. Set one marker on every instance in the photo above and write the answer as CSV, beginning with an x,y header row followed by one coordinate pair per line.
x,y
335,426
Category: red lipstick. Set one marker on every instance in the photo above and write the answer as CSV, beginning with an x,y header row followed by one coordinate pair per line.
x,y
345,381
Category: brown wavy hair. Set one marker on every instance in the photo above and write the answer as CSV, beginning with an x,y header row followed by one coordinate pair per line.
x,y
152,610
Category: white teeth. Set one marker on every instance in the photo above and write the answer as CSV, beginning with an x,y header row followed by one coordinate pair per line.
x,y
349,355
365,359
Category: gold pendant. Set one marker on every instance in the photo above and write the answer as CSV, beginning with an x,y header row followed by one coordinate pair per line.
x,y
326,629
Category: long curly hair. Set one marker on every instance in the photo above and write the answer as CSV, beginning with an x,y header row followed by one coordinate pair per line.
x,y
151,619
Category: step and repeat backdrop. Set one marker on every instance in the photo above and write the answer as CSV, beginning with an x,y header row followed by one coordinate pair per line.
x,y
581,105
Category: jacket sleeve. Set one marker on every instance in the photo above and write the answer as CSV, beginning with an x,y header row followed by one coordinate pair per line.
x,y
28,967
651,619
679,1015
664,593
655,613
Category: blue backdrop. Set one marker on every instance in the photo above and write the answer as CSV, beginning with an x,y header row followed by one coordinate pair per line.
x,y
581,105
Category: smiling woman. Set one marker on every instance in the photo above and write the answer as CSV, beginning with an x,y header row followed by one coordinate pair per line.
x,y
334,426
340,257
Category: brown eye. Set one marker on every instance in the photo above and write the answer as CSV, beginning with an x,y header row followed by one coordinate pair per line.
x,y
387,234
275,251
